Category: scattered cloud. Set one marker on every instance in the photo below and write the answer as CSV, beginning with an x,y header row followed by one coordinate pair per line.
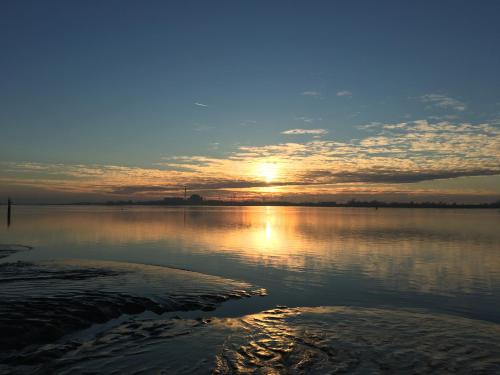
x,y
305,131
311,93
388,158
443,101
444,117
308,120
387,176
345,93
370,126
200,104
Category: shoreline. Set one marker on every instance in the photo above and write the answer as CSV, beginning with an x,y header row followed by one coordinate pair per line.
x,y
495,205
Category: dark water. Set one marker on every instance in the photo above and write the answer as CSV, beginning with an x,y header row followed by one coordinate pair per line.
x,y
439,260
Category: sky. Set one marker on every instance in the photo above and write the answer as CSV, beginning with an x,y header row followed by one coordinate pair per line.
x,y
295,100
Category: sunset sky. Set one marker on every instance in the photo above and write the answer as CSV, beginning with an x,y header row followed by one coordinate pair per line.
x,y
310,100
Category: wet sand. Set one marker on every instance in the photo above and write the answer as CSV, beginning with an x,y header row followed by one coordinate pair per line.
x,y
9,249
317,340
40,302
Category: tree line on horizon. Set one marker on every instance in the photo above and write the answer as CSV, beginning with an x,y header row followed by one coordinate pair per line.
x,y
196,199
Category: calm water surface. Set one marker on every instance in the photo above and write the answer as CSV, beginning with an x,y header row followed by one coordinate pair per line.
x,y
439,260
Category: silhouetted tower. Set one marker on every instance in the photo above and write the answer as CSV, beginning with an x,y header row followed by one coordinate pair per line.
x,y
185,192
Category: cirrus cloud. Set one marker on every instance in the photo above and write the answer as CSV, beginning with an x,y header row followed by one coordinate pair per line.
x,y
305,131
443,101
345,93
311,93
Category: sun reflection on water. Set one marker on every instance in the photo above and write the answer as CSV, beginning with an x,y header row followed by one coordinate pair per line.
x,y
420,250
268,230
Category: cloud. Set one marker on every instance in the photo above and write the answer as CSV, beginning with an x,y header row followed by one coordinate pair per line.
x,y
444,117
305,131
388,156
392,176
311,93
203,186
443,101
345,93
370,126
200,104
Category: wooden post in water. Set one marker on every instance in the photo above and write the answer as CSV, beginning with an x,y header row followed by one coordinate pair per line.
x,y
9,203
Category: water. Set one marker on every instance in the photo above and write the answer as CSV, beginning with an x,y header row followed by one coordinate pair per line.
x,y
444,261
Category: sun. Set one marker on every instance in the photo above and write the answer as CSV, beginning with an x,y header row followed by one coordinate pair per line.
x,y
268,171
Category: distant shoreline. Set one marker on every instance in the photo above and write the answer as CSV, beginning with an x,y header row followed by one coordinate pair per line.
x,y
216,203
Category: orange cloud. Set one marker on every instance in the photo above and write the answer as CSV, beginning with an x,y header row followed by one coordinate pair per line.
x,y
398,154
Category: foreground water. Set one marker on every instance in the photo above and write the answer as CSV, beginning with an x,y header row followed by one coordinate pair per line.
x,y
442,260
442,264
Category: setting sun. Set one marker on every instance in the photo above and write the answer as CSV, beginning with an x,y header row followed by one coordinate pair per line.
x,y
268,171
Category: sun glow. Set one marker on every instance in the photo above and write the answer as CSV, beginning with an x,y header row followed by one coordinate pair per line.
x,y
268,171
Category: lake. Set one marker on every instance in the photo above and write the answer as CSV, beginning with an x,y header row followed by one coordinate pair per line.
x,y
438,260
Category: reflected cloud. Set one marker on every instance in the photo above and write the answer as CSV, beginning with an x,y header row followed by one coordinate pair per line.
x,y
408,250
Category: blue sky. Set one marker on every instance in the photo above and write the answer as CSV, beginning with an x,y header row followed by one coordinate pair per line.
x,y
130,84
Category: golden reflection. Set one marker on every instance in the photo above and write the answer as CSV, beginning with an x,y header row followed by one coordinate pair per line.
x,y
268,230
425,250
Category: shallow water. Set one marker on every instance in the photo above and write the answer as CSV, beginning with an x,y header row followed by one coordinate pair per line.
x,y
440,260
44,301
